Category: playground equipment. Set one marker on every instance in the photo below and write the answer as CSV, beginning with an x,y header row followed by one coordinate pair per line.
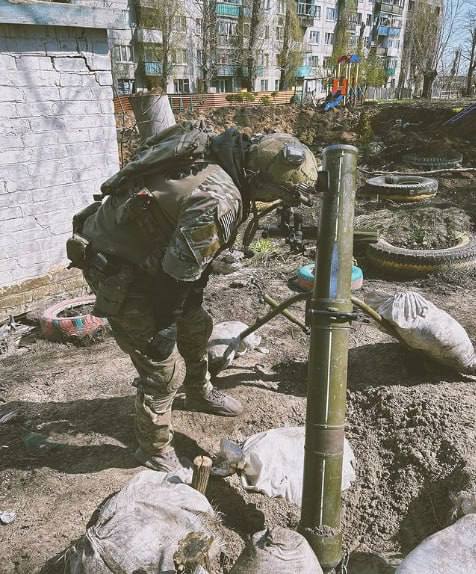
x,y
344,86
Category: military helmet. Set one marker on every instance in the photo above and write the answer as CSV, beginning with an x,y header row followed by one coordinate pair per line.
x,y
281,167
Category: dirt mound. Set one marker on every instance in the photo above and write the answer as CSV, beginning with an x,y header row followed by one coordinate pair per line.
x,y
418,228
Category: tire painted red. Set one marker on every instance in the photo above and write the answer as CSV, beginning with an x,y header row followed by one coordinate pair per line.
x,y
55,328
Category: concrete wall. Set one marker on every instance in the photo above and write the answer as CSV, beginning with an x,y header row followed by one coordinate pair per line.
x,y
57,144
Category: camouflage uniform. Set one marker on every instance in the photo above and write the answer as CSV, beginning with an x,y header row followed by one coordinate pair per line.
x,y
189,220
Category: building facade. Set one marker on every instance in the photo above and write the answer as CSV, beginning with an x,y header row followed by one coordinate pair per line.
x,y
58,137
377,25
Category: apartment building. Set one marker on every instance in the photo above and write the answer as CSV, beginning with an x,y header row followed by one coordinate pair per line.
x,y
137,61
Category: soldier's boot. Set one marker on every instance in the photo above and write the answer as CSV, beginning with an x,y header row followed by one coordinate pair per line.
x,y
154,433
193,331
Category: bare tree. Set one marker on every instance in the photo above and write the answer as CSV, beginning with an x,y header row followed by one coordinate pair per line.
x,y
168,16
254,36
291,53
469,51
431,27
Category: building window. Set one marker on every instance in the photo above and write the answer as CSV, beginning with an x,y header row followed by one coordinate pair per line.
x,y
124,54
179,56
327,62
246,29
329,38
266,60
125,87
281,7
276,85
268,5
200,57
264,85
369,20
314,61
331,14
279,33
198,25
314,36
182,86
266,32
318,12
180,23
226,28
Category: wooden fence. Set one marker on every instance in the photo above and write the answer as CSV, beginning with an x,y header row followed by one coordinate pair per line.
x,y
184,102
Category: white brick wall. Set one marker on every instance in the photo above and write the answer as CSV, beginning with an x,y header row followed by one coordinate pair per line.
x,y
57,140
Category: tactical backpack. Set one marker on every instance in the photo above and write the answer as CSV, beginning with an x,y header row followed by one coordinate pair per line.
x,y
176,147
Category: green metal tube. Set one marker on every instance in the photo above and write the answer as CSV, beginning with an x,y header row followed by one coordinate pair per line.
x,y
330,309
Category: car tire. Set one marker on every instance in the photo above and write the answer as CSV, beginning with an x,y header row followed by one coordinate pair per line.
x,y
77,328
421,262
403,188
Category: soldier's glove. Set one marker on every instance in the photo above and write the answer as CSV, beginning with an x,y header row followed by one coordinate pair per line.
x,y
162,345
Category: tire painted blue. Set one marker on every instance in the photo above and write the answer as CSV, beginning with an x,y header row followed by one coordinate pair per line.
x,y
306,274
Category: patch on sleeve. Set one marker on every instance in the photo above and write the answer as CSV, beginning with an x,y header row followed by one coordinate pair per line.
x,y
192,248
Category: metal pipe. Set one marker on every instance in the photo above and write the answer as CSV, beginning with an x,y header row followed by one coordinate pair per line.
x,y
330,314
272,303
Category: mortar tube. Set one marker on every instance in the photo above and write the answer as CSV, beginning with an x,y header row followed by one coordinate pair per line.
x,y
330,315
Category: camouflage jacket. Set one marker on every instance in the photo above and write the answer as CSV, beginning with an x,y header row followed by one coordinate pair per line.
x,y
187,220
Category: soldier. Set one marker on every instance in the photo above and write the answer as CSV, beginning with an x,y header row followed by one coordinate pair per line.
x,y
145,249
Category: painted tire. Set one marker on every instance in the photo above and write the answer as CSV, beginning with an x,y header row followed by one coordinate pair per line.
x,y
305,277
420,262
446,161
55,328
403,188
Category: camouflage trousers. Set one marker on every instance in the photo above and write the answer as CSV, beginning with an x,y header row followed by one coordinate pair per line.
x,y
133,327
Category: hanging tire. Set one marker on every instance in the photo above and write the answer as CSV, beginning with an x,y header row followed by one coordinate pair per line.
x,y
421,262
74,327
403,188
445,161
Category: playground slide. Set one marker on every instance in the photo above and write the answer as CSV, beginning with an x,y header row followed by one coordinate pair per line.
x,y
334,102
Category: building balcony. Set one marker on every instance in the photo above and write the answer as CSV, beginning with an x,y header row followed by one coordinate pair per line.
x,y
390,71
306,12
304,71
381,51
388,31
227,70
228,10
148,36
153,68
260,71
390,8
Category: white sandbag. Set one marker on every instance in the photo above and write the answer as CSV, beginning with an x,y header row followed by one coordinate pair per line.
x,y
277,551
426,328
220,353
450,551
272,462
139,528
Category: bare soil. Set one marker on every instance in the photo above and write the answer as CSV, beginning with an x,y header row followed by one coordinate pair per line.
x,y
411,424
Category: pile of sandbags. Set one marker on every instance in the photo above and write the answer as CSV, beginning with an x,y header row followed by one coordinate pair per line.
x,y
272,463
426,328
145,528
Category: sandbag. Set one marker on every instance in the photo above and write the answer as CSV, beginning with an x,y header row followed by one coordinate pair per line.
x,y
272,463
426,328
139,528
278,550
220,353
450,551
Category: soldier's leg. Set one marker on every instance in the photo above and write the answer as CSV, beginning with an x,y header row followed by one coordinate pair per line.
x,y
194,328
134,329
